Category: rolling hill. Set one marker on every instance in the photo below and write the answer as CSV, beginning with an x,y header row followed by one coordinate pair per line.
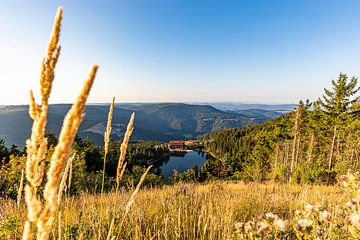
x,y
153,121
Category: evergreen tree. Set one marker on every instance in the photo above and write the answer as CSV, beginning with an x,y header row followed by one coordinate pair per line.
x,y
14,150
340,99
4,151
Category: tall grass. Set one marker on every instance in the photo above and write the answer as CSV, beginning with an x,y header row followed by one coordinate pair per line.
x,y
107,141
184,211
62,187
41,213
123,147
20,189
36,146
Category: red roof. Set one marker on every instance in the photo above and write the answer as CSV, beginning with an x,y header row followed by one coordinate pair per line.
x,y
176,141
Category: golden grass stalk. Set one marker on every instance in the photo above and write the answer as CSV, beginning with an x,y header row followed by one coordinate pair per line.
x,y
59,226
123,171
110,229
123,148
64,178
107,141
132,198
61,153
20,190
36,146
70,175
108,126
27,232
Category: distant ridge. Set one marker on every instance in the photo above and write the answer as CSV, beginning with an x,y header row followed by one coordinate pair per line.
x,y
153,121
235,106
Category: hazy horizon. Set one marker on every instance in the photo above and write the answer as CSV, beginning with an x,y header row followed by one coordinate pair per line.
x,y
272,52
161,102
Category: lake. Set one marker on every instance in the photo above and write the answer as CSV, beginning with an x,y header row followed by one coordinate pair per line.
x,y
182,162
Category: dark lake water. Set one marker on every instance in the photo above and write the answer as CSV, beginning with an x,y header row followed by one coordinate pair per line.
x,y
183,162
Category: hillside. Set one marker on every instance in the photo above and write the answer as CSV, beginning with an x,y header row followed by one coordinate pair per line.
x,y
160,121
190,211
306,146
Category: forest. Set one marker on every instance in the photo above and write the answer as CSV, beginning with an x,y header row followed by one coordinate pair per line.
x,y
87,165
315,144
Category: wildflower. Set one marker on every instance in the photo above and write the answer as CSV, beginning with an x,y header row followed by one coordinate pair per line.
x,y
270,216
299,212
309,208
302,224
351,204
325,216
343,177
347,220
248,226
355,220
262,216
280,224
264,227
239,226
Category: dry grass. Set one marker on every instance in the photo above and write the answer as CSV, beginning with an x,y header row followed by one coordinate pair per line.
x,y
64,178
20,189
184,211
41,212
107,140
123,147
36,146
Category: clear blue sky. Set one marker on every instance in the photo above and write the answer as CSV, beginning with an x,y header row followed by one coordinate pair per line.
x,y
246,51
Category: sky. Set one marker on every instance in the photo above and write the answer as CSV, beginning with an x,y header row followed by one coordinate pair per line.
x,y
250,51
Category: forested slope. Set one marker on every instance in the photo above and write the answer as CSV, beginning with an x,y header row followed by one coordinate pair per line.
x,y
313,144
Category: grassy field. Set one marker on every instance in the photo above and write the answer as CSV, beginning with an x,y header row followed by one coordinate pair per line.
x,y
184,211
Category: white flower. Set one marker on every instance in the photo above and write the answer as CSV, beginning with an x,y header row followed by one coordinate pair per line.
x,y
302,224
325,216
264,227
248,226
239,225
352,203
309,207
299,212
270,216
280,224
355,220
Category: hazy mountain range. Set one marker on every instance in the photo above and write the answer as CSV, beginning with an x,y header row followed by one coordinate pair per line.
x,y
236,106
153,121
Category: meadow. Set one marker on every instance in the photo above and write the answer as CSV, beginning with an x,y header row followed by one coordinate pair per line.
x,y
183,211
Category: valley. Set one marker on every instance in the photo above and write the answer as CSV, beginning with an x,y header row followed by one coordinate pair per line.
x,y
154,122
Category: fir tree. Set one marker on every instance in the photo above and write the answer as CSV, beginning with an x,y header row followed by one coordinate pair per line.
x,y
340,99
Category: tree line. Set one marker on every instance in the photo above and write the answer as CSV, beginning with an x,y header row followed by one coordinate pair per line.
x,y
317,142
87,165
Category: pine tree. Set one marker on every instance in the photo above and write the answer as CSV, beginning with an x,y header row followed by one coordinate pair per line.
x,y
340,99
336,103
